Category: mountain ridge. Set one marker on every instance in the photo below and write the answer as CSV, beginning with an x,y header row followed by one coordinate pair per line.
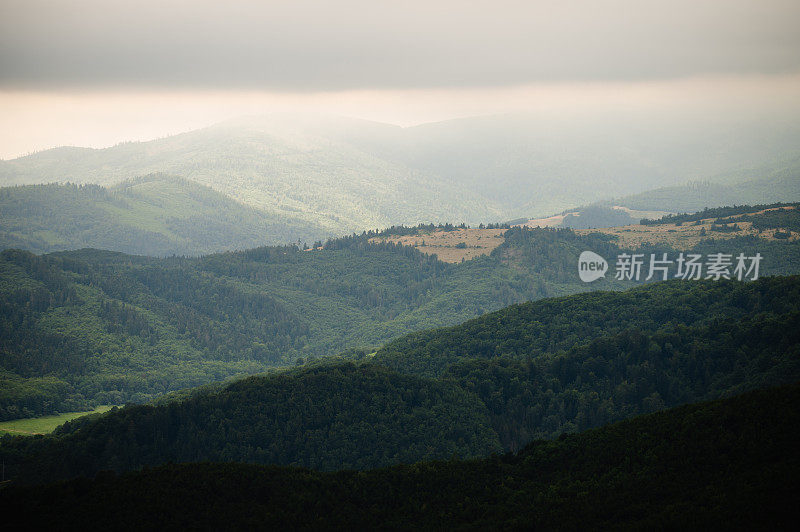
x,y
348,175
157,215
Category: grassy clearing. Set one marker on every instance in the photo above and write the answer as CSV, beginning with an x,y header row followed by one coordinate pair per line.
x,y
689,234
474,242
44,424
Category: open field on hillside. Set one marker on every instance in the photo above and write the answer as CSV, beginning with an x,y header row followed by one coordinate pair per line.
x,y
688,234
451,246
44,424
463,244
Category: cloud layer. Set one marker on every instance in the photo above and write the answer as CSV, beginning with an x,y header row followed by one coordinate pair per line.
x,y
361,44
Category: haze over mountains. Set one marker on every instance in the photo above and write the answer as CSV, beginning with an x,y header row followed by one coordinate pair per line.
x,y
157,214
331,176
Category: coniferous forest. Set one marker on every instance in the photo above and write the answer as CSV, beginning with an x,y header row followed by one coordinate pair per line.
x,y
361,373
730,463
92,327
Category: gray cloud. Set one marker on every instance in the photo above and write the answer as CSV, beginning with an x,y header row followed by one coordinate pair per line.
x,y
321,45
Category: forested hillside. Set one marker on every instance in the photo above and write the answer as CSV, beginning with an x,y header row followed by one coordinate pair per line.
x,y
573,363
528,372
92,327
549,326
95,327
349,175
296,166
724,464
415,265
153,215
328,418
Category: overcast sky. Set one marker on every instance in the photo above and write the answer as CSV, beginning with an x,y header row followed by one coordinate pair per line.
x,y
403,61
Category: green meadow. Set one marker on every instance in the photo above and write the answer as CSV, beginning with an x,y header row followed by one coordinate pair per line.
x,y
44,424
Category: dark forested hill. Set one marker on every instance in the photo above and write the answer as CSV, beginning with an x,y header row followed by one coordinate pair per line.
x,y
152,215
578,362
331,417
504,380
727,464
529,330
94,327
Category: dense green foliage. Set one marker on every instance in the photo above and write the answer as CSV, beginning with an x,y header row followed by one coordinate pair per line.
x,y
530,371
108,328
551,326
21,397
102,335
579,362
730,464
153,215
327,418
631,373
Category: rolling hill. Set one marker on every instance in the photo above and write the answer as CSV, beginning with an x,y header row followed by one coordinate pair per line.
x,y
328,418
154,215
346,175
93,327
527,372
293,167
723,464
97,327
554,326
